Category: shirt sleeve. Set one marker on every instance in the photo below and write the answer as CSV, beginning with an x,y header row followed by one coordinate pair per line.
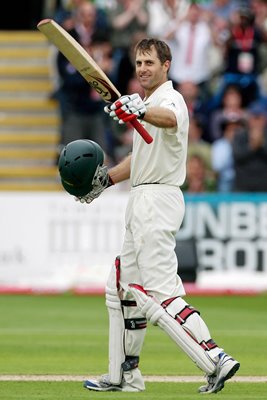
x,y
180,111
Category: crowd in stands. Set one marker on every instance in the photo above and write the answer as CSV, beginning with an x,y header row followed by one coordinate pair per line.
x,y
219,65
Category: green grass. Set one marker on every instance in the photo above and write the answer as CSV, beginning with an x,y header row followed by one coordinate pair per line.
x,y
154,391
68,335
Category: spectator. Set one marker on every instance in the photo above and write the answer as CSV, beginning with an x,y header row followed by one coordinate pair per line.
x,y
123,142
86,23
191,50
196,105
222,9
126,18
101,51
65,14
250,152
162,13
242,57
192,95
196,144
259,9
198,179
222,153
232,105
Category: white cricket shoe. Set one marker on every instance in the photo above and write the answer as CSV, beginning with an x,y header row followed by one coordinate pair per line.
x,y
225,369
104,385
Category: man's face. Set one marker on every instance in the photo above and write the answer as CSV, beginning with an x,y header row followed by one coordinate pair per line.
x,y
257,121
149,70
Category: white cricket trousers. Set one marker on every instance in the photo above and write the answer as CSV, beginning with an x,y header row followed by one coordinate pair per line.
x,y
153,216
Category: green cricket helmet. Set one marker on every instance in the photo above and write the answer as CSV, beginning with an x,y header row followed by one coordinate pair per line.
x,y
78,164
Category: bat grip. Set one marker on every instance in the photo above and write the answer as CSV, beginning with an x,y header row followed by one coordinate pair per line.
x,y
142,131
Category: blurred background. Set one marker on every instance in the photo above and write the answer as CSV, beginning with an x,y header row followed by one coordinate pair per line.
x,y
48,242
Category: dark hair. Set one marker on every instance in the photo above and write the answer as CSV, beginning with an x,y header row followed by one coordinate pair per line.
x,y
162,49
198,120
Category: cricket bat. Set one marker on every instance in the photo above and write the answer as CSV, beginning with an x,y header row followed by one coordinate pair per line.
x,y
86,65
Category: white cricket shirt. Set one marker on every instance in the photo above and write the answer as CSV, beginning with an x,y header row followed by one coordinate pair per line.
x,y
164,160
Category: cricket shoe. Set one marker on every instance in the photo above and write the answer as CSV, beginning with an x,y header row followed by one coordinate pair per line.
x,y
225,369
104,385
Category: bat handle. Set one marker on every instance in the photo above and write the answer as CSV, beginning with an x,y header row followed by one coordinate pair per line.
x,y
141,130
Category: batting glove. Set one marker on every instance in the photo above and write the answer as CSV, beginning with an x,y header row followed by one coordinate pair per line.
x,y
127,108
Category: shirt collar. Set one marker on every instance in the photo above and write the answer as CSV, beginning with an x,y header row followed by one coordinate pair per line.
x,y
164,86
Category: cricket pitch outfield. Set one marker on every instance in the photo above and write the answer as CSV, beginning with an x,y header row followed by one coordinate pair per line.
x,y
50,344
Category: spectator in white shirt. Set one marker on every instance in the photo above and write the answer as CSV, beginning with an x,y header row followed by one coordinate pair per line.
x,y
191,41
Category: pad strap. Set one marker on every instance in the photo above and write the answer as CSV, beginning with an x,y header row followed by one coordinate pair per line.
x,y
182,315
209,345
131,362
135,323
128,303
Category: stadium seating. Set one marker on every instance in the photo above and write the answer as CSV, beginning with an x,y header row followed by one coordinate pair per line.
x,y
29,120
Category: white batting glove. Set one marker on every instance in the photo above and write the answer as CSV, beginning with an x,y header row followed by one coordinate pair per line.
x,y
126,108
131,104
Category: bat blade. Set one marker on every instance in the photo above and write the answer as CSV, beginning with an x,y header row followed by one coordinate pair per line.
x,y
86,65
79,58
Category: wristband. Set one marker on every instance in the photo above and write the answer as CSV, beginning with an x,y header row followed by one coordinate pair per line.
x,y
142,115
